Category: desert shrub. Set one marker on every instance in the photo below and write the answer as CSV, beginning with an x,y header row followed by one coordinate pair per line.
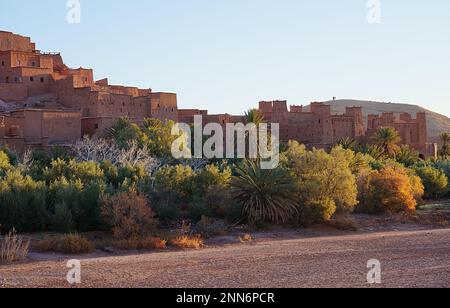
x,y
176,180
210,176
209,227
387,191
67,244
187,242
4,162
197,209
13,158
146,242
434,180
246,238
129,215
13,247
324,182
22,203
219,200
316,211
265,195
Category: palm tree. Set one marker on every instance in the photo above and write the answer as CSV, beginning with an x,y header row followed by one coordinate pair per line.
x,y
445,139
266,195
254,116
347,143
388,138
407,156
376,151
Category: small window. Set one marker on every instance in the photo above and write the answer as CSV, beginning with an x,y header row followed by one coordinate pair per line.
x,y
31,79
42,79
7,79
96,126
33,64
3,63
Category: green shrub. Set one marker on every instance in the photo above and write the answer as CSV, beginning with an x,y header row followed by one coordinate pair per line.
x,y
22,203
317,211
434,180
73,201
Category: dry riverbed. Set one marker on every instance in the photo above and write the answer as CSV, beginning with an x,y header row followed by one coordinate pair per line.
x,y
413,251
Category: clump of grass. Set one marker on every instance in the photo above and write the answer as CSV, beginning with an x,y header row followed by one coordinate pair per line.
x,y
67,244
140,243
13,248
246,238
186,241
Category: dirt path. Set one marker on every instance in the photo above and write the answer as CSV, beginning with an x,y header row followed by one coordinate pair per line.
x,y
409,259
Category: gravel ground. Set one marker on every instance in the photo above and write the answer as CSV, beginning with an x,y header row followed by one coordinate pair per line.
x,y
408,258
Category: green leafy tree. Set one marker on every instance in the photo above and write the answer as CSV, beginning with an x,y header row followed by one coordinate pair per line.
x,y
22,203
321,176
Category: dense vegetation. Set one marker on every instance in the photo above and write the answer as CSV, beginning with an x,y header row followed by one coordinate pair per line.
x,y
128,183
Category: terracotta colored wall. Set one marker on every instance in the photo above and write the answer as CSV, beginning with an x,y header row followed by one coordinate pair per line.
x,y
13,92
10,41
61,127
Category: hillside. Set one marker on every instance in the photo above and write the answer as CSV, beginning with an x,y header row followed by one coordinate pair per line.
x,y
437,123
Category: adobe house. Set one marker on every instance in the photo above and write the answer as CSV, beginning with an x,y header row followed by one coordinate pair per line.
x,y
36,128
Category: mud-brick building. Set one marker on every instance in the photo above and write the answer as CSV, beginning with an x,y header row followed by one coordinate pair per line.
x,y
43,103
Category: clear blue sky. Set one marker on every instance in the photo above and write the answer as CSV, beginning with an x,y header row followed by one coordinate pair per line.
x,y
226,55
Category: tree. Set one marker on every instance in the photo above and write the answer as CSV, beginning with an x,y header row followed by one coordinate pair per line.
x,y
124,131
265,195
388,138
319,175
254,116
347,143
434,180
373,150
445,150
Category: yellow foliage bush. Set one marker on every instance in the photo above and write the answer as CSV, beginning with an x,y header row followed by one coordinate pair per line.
x,y
390,190
185,241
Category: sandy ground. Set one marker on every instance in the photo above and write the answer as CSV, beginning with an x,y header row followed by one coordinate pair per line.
x,y
408,258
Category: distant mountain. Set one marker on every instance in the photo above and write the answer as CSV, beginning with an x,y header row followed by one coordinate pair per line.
x,y
437,123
